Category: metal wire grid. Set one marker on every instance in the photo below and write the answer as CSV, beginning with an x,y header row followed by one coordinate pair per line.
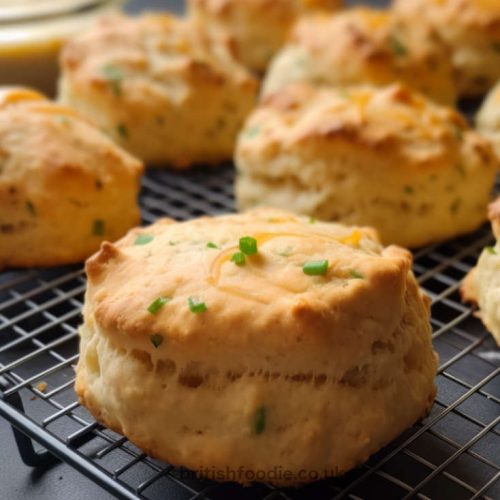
x,y
453,452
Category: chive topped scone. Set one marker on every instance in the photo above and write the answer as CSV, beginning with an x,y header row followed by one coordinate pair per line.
x,y
488,117
471,28
159,88
363,46
482,284
382,157
256,29
254,342
64,185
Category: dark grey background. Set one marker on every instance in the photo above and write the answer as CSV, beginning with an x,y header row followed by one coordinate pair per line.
x,y
61,482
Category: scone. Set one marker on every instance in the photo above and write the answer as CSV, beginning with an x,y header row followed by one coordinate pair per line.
x,y
255,343
488,117
366,46
482,284
64,185
471,28
160,90
256,29
382,157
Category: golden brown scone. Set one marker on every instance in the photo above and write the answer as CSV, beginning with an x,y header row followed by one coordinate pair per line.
x,y
482,285
256,29
209,364
158,88
64,185
471,28
382,157
361,46
488,117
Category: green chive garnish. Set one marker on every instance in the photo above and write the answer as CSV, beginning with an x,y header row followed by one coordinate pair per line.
x,y
408,190
248,245
114,76
157,304
211,245
196,305
356,274
397,46
238,258
491,250
143,239
98,227
260,420
312,220
173,243
156,340
315,267
31,208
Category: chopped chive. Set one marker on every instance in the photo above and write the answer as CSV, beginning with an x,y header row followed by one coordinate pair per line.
x,y
260,420
315,267
31,208
238,258
98,227
196,305
114,76
173,243
312,220
356,274
143,239
408,190
156,340
251,131
122,130
491,250
397,46
157,304
211,245
248,245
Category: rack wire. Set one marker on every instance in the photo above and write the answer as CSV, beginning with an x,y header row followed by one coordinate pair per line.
x,y
455,451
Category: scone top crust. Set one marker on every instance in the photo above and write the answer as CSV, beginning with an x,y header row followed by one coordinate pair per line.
x,y
152,55
482,15
364,44
269,302
43,142
394,121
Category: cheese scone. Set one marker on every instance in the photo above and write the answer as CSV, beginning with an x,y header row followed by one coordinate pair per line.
x,y
482,285
488,117
64,185
254,342
158,88
363,46
256,29
382,157
471,28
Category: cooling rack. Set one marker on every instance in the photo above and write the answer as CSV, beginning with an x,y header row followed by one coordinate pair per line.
x,y
455,451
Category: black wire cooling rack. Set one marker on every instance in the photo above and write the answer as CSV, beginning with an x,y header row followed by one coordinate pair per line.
x,y
454,452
